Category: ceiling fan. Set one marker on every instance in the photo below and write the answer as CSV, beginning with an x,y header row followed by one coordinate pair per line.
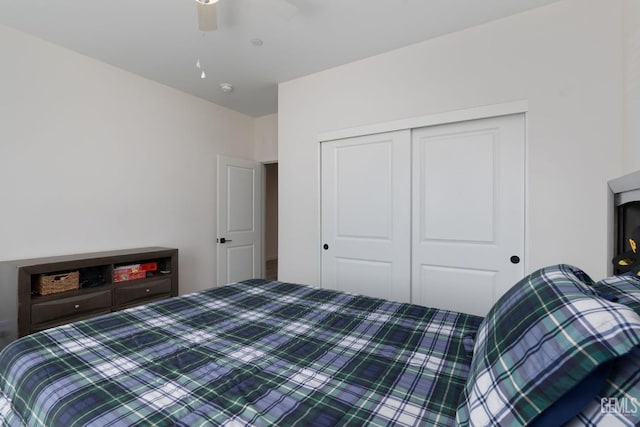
x,y
208,14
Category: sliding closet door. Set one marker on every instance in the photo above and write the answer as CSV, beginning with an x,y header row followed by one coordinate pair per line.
x,y
366,194
468,212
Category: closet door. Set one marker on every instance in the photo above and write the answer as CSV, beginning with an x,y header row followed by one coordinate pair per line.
x,y
366,194
468,212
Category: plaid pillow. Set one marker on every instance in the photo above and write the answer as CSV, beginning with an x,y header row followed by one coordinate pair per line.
x,y
541,338
618,403
624,289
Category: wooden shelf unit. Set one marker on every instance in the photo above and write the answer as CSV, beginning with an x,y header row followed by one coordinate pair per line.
x,y
22,312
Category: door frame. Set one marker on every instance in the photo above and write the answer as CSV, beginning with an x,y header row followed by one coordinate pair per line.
x,y
481,112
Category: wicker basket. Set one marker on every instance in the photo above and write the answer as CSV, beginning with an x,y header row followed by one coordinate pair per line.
x,y
47,284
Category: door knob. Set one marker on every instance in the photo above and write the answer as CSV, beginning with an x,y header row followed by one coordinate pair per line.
x,y
223,240
325,246
515,259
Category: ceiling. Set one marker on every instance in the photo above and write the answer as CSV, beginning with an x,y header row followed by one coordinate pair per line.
x,y
160,40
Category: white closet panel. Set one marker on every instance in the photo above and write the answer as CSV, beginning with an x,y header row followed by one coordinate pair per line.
x,y
366,185
468,212
433,215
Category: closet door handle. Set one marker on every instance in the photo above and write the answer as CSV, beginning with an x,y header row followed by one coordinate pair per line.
x,y
515,259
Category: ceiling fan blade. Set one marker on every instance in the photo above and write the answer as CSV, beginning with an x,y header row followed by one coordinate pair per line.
x,y
207,16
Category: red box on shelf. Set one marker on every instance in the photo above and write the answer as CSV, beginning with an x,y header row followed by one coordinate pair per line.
x,y
123,276
128,272
125,273
149,266
133,268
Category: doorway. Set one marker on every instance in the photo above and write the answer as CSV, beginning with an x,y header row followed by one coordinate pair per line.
x,y
271,221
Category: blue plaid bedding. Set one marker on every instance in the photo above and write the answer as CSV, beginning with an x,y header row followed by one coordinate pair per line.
x,y
255,352
538,345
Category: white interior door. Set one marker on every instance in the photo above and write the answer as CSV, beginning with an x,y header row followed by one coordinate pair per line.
x,y
365,215
468,212
239,240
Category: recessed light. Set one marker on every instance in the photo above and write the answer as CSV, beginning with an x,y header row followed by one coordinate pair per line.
x,y
226,87
257,42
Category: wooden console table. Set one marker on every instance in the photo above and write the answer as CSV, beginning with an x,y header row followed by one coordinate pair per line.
x,y
23,312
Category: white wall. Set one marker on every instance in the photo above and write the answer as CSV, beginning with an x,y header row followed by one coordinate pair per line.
x,y
266,151
94,158
631,14
564,59
266,138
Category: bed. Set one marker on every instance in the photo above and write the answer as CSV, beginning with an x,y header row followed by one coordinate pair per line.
x,y
262,352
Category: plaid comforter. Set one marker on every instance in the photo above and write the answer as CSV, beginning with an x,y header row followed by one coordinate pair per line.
x,y
255,352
